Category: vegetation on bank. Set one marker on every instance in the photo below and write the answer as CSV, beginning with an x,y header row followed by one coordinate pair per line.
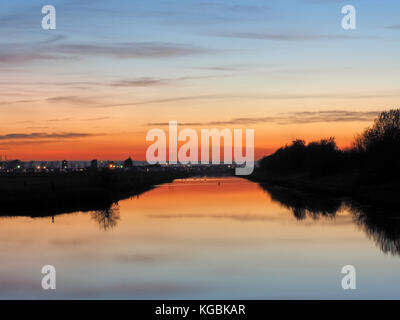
x,y
50,193
370,168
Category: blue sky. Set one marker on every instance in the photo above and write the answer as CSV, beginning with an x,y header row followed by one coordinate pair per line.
x,y
153,61
224,31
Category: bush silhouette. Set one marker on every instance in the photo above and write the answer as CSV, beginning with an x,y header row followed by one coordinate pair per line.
x,y
317,157
373,158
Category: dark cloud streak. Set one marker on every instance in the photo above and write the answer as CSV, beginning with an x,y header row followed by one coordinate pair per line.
x,y
395,26
131,49
290,36
289,118
43,135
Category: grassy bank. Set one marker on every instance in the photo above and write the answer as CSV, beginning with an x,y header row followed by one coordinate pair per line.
x,y
339,184
52,193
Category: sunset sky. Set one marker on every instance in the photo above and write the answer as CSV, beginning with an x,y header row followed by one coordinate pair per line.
x,y
112,70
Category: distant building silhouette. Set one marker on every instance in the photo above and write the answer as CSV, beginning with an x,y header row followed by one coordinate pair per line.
x,y
128,163
94,164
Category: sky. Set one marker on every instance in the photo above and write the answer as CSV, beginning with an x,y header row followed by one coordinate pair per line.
x,y
113,70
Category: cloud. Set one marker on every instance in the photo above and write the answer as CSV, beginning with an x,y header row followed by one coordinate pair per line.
x,y
267,97
98,102
143,82
42,135
135,82
20,53
233,8
395,26
96,119
130,50
75,100
324,1
290,118
17,102
236,67
63,120
37,127
221,68
55,48
57,120
150,82
289,36
24,57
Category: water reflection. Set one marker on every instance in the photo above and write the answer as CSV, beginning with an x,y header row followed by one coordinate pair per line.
x,y
381,224
107,218
301,204
383,227
209,238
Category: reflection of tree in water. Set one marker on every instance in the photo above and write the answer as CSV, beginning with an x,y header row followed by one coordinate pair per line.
x,y
107,218
381,225
303,205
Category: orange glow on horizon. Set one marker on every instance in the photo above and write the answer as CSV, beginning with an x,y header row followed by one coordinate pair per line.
x,y
119,147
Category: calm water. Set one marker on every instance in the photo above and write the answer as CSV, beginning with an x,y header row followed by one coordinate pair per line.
x,y
203,238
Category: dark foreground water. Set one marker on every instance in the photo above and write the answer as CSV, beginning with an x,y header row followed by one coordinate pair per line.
x,y
222,238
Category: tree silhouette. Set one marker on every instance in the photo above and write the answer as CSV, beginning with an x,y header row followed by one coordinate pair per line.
x,y
378,147
384,135
373,158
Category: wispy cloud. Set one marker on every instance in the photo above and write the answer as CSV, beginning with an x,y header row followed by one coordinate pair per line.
x,y
272,96
130,82
131,49
43,135
96,119
290,36
74,100
21,57
324,1
143,82
150,82
100,102
63,120
395,26
236,67
290,118
177,99
16,53
233,8
54,49
3,103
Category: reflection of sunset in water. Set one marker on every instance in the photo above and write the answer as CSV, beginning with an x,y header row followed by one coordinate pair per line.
x,y
195,238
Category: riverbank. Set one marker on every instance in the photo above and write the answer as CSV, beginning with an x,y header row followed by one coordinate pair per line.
x,y
50,194
342,184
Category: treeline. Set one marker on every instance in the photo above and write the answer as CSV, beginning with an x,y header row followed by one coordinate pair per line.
x,y
373,157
